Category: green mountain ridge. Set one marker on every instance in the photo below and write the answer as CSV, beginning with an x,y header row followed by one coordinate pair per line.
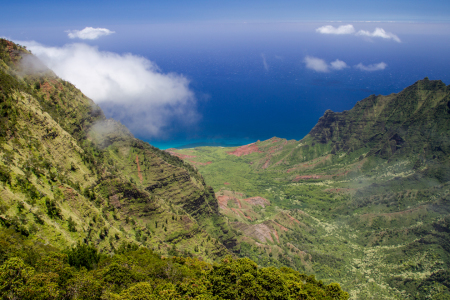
x,y
363,199
62,160
414,121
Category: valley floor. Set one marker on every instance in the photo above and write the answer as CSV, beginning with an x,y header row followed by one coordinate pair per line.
x,y
370,224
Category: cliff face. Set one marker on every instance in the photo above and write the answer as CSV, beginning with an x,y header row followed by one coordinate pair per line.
x,y
416,120
68,174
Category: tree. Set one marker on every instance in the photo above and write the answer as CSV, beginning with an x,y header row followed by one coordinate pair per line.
x,y
14,276
139,291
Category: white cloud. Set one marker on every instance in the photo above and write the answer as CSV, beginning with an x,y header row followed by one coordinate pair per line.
x,y
129,88
379,32
316,64
343,29
349,29
266,66
319,65
89,33
338,65
374,67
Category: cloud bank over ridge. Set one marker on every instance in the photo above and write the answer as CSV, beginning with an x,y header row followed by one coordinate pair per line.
x,y
129,88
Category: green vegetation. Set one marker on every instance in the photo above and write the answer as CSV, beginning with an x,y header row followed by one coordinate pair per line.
x,y
33,271
362,200
87,211
69,176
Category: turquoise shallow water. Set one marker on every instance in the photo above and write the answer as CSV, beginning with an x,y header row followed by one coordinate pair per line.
x,y
184,144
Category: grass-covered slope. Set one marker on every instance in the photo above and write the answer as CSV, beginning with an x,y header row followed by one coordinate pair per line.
x,y
364,199
68,175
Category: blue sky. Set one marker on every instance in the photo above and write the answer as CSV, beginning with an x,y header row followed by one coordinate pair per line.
x,y
189,71
50,13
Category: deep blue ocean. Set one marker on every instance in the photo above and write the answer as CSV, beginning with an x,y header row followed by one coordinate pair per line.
x,y
241,100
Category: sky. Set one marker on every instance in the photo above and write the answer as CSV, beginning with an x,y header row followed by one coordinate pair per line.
x,y
232,72
50,13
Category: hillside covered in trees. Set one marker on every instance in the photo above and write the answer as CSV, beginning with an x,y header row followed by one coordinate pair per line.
x,y
89,212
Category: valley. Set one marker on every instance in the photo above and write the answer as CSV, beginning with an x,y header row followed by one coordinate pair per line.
x,y
362,200
85,207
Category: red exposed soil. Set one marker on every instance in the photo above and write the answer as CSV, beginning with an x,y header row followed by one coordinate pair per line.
x,y
280,226
245,150
305,177
275,233
223,201
266,164
257,201
12,52
239,212
293,219
47,89
277,148
226,183
138,168
238,202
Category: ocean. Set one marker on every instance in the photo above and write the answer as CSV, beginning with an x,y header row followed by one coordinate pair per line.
x,y
253,84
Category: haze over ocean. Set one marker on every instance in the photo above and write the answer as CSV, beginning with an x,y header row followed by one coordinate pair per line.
x,y
242,82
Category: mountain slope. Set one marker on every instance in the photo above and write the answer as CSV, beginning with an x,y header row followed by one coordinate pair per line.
x,y
414,121
69,175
